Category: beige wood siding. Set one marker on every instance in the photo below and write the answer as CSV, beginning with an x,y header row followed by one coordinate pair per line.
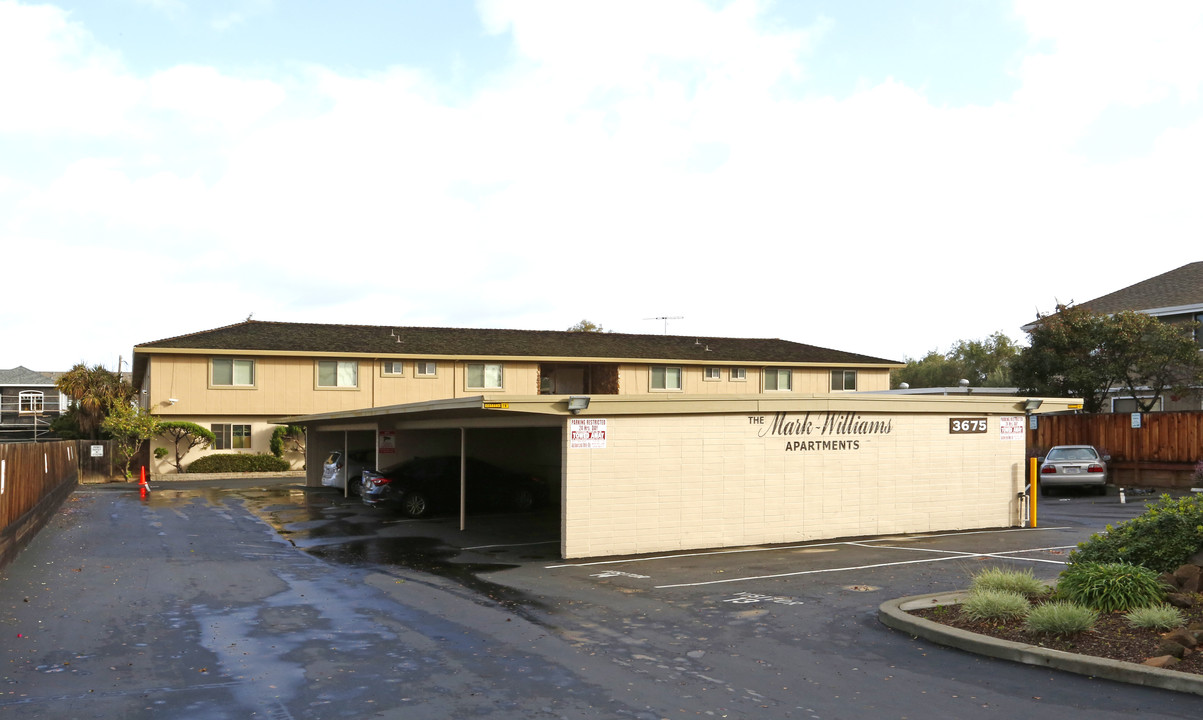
x,y
288,386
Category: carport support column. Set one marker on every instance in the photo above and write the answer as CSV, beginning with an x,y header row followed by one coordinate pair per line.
x,y
463,476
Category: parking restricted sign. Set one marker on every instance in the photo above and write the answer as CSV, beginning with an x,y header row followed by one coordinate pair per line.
x,y
587,433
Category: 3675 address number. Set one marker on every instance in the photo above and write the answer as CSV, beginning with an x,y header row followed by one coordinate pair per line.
x,y
961,426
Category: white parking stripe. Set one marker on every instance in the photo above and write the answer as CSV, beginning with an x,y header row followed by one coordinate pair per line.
x,y
736,551
485,547
949,555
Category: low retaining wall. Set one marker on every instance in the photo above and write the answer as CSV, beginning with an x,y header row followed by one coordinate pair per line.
x,y
1173,476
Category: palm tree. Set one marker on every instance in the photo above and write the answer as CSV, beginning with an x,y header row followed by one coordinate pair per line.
x,y
94,391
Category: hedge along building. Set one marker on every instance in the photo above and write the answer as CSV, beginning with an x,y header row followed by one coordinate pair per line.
x,y
642,474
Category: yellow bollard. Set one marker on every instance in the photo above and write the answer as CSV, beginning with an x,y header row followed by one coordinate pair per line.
x,y
1035,490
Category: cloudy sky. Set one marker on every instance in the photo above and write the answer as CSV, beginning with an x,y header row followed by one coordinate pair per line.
x,y
879,177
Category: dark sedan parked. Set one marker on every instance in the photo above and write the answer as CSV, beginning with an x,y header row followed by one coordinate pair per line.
x,y
423,485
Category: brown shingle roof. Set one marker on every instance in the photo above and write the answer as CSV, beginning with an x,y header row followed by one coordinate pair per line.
x,y
1176,288
383,340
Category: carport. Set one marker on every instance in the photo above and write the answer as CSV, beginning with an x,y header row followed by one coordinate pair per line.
x,y
642,474
469,427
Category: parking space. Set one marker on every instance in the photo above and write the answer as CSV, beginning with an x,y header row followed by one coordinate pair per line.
x,y
755,567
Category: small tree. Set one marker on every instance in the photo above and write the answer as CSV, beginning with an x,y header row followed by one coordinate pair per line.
x,y
287,437
129,427
586,326
186,436
1066,358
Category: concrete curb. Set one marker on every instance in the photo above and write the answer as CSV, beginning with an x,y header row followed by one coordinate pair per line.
x,y
893,613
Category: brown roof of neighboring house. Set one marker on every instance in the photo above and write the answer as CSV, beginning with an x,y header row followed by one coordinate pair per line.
x,y
305,338
1176,288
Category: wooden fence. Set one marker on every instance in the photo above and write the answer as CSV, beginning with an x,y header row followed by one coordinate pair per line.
x,y
35,478
1163,451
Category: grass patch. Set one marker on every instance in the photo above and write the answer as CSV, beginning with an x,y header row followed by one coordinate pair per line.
x,y
995,605
1060,618
1021,582
1155,617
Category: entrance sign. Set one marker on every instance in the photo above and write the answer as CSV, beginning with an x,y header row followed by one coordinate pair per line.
x,y
587,433
1010,428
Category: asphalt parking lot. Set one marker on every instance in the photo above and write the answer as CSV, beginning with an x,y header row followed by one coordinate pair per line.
x,y
266,599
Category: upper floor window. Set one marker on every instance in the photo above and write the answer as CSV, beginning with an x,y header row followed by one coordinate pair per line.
x,y
426,368
233,372
337,373
393,367
843,380
1199,330
483,375
666,377
31,401
778,379
713,373
739,374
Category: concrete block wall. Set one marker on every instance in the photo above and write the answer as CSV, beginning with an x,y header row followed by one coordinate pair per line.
x,y
677,482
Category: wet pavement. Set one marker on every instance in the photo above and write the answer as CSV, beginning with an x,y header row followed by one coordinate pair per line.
x,y
264,599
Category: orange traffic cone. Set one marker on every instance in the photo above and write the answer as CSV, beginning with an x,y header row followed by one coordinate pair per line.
x,y
143,488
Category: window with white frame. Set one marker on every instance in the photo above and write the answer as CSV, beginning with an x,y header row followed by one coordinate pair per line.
x,y
426,368
666,377
338,373
31,401
712,373
739,374
231,436
486,376
778,379
233,372
393,367
843,380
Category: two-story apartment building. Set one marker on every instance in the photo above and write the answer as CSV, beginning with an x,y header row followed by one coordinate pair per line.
x,y
237,379
647,442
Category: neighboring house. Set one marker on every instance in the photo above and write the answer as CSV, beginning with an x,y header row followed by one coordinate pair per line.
x,y
237,379
29,401
1175,296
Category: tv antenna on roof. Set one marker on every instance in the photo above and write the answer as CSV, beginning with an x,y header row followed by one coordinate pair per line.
x,y
666,318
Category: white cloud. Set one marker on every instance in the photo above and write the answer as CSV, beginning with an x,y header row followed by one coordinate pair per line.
x,y
55,78
654,151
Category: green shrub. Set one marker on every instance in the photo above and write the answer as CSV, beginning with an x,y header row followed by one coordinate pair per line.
x,y
1110,587
238,464
280,434
1156,617
994,605
1016,581
1060,618
1161,539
